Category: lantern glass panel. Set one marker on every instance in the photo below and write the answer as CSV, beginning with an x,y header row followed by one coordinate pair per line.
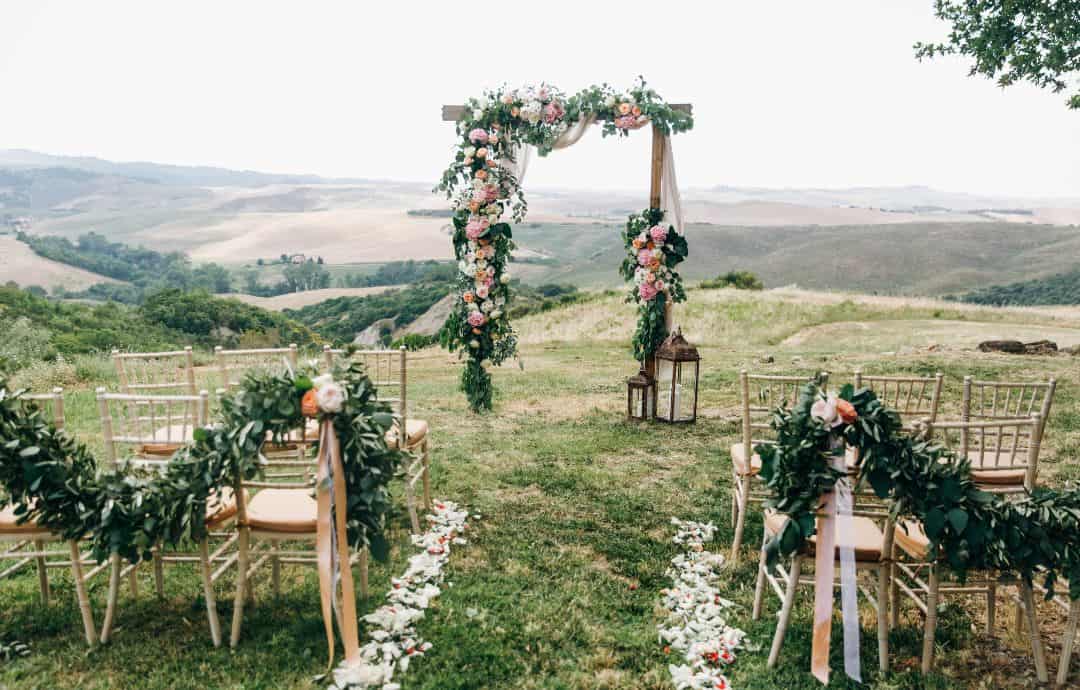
x,y
677,369
640,394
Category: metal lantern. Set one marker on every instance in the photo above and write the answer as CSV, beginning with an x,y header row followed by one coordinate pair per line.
x,y
640,396
678,365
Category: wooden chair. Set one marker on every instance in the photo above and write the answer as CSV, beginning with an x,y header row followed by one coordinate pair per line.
x,y
918,578
873,529
389,369
142,432
760,394
915,397
991,401
233,364
52,405
147,373
277,512
22,537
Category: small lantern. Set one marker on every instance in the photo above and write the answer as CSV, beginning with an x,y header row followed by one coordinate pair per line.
x,y
678,365
640,396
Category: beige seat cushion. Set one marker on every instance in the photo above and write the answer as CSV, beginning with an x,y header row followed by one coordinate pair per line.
x,y
283,510
912,540
983,471
9,524
869,539
417,430
738,458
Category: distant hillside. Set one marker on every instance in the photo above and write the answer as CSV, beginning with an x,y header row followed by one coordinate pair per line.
x,y
1062,288
19,264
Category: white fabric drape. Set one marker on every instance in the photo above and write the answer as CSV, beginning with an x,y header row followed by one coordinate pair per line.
x,y
574,133
670,200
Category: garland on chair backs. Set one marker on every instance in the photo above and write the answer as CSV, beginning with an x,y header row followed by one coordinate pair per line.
x,y
968,529
483,189
56,482
653,251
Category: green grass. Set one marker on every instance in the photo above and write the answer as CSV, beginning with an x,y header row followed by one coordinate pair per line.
x,y
559,585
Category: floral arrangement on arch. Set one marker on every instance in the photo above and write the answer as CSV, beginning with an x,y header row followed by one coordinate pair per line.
x,y
484,190
653,251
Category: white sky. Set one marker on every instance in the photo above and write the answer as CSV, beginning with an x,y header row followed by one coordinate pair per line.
x,y
786,93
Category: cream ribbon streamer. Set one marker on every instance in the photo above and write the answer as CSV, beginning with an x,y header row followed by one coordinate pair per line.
x,y
836,520
335,572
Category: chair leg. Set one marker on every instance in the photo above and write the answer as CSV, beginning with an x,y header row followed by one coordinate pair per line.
x,y
991,607
133,581
241,585
894,591
1068,643
931,619
80,592
740,522
275,568
410,502
884,574
759,586
208,592
42,571
785,611
364,574
159,573
110,605
1036,639
427,475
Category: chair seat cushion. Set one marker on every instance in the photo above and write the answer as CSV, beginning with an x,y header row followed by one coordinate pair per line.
x,y
868,538
9,524
417,430
912,540
221,507
983,469
283,510
742,467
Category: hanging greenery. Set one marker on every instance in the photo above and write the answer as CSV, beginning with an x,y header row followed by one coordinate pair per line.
x,y
483,188
56,482
968,529
653,251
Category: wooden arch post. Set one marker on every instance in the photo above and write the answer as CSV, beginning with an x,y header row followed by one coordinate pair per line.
x,y
453,113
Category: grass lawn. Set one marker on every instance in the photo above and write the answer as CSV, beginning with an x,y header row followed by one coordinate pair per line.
x,y
560,583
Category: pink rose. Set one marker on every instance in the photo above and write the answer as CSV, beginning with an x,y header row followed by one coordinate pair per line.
x,y
625,122
477,319
552,112
478,136
476,227
491,192
647,291
658,234
644,257
482,292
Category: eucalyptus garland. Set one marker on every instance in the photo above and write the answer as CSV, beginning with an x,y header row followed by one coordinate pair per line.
x,y
968,529
55,481
653,251
483,189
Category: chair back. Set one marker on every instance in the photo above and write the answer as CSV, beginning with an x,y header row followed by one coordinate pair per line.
x,y
232,365
994,445
915,397
52,404
760,394
156,373
990,400
387,369
145,430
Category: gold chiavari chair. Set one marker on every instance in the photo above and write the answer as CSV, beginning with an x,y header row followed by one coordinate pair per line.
x,y
388,370
149,373
232,365
915,397
760,394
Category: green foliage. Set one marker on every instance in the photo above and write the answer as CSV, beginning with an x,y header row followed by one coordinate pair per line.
x,y
54,481
210,320
143,268
1036,40
968,528
414,341
658,276
341,318
403,273
740,280
1063,288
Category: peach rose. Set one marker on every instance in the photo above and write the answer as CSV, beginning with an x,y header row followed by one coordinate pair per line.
x,y
481,152
514,111
474,206
481,174
654,265
624,108
846,411
477,331
309,404
637,244
636,111
468,297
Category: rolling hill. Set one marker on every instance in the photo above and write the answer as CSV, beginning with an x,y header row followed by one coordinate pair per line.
x,y
20,264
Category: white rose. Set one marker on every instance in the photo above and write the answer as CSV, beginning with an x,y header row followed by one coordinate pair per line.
x,y
322,380
469,151
485,363
505,278
330,397
495,313
362,675
474,344
478,113
487,306
507,98
610,101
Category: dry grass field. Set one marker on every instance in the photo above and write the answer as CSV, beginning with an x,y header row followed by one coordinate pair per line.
x,y
296,300
20,264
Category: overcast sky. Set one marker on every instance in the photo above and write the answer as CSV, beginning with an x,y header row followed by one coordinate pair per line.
x,y
785,94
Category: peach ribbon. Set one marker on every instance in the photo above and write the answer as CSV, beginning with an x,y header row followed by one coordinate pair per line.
x,y
837,513
332,542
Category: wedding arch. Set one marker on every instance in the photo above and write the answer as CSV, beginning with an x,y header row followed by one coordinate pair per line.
x,y
497,133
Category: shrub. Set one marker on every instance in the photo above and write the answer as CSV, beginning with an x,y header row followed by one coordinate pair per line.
x,y
414,341
740,280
